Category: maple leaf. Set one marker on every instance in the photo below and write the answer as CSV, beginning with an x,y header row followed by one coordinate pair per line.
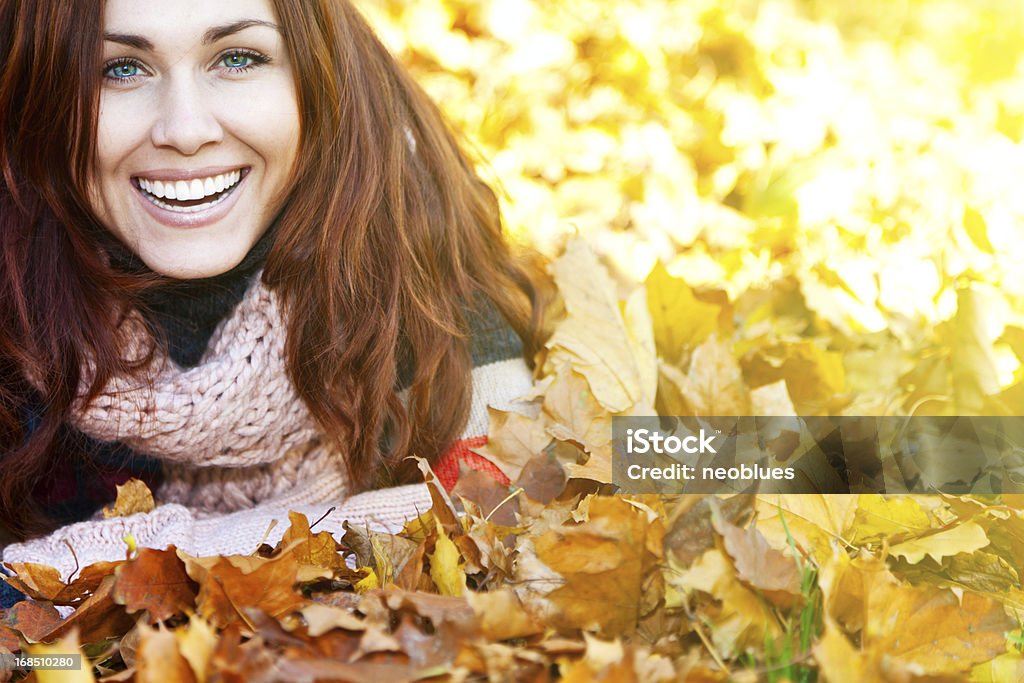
x,y
159,658
757,564
513,440
69,644
917,628
155,581
672,301
446,566
607,566
594,338
963,538
228,585
133,496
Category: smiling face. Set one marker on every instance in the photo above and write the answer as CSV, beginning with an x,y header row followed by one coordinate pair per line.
x,y
198,131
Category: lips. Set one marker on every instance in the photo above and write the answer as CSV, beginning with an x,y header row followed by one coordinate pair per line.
x,y
189,195
189,199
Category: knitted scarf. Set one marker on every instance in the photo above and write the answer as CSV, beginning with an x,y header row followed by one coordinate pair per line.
x,y
231,431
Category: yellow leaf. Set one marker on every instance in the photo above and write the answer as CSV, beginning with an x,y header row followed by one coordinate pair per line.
x,y
593,338
513,440
923,629
196,643
714,383
739,617
68,645
772,400
815,521
681,321
368,582
132,496
973,362
609,566
879,516
501,615
965,538
815,377
446,566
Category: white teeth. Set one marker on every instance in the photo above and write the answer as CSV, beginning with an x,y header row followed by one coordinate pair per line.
x,y
185,190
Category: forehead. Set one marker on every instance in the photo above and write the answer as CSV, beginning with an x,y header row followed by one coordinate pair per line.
x,y
179,20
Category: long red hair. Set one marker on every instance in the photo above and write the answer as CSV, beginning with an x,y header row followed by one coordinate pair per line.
x,y
386,239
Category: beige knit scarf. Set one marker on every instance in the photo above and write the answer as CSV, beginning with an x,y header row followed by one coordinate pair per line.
x,y
231,431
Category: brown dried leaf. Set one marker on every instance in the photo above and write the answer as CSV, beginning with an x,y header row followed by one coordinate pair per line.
x,y
9,639
33,620
605,565
158,658
512,440
226,589
155,581
502,615
714,383
132,496
43,583
315,550
759,565
543,478
690,531
490,496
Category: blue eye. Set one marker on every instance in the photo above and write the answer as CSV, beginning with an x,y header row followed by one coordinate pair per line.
x,y
122,70
240,60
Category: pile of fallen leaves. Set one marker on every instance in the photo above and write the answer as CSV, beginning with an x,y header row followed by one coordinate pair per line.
x,y
553,578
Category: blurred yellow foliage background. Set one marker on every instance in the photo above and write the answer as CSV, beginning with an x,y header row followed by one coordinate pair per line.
x,y
838,179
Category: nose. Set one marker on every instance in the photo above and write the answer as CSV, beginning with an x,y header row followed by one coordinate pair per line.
x,y
186,121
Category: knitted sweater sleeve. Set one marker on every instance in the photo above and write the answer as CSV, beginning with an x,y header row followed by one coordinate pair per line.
x,y
500,376
238,533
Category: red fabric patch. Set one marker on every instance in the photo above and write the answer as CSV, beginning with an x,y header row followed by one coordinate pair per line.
x,y
447,468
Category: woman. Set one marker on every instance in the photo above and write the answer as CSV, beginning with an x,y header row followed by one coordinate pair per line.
x,y
240,251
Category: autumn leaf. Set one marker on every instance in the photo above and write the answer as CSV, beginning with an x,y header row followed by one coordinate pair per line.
x,y
963,538
757,564
159,658
133,496
513,440
681,321
445,566
33,620
315,550
67,645
502,615
155,581
814,376
604,565
593,339
921,628
713,385
227,586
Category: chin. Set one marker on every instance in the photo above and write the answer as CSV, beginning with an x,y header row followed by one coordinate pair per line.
x,y
191,270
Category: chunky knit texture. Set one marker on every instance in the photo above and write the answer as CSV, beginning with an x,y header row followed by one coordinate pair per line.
x,y
240,449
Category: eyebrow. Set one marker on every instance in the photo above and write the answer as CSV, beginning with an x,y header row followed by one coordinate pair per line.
x,y
211,36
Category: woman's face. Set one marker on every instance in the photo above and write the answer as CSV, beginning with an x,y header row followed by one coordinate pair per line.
x,y
198,130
